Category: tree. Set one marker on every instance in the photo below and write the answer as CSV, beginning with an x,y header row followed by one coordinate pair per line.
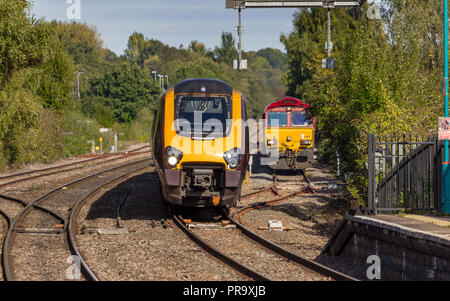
x,y
125,90
227,52
275,57
197,47
82,42
24,41
36,81
386,81
138,48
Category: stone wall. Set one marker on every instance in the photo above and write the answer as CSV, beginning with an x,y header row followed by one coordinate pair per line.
x,y
405,254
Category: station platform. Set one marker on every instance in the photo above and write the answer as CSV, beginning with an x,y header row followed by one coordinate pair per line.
x,y
416,225
410,246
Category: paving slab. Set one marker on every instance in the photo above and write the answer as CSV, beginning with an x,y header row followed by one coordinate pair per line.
x,y
419,222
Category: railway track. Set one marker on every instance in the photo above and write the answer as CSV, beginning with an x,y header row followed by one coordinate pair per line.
x,y
311,265
48,234
19,177
216,253
237,249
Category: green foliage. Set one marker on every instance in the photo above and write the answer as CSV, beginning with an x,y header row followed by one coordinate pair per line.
x,y
82,42
93,107
125,90
275,57
138,48
24,41
42,143
227,52
57,80
197,47
138,129
36,85
385,82
80,132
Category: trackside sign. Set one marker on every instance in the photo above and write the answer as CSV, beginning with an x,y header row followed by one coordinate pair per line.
x,y
444,128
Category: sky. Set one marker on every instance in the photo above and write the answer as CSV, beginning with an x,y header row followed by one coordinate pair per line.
x,y
173,22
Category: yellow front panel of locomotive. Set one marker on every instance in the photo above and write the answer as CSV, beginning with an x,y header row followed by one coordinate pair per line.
x,y
197,150
280,135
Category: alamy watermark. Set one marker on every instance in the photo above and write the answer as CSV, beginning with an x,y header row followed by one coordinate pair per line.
x,y
73,272
374,11
211,132
73,12
374,270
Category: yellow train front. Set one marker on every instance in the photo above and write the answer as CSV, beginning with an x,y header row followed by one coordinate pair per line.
x,y
289,134
200,143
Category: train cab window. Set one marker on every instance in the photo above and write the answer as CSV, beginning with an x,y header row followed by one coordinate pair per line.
x,y
277,119
299,119
213,111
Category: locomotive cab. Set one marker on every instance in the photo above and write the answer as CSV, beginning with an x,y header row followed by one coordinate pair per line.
x,y
289,134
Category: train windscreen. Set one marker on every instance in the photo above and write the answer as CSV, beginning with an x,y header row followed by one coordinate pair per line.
x,y
277,119
299,119
204,116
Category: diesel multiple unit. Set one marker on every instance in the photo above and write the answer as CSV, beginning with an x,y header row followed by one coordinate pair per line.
x,y
200,143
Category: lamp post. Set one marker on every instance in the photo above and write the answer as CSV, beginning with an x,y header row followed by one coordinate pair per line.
x,y
77,85
154,75
239,67
161,81
167,80
445,167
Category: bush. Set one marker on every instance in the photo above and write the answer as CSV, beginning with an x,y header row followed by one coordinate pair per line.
x,y
42,143
79,131
93,107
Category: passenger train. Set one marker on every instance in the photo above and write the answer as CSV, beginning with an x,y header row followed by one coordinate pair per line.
x,y
200,143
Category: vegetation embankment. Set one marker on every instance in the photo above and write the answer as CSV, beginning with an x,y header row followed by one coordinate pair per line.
x,y
387,78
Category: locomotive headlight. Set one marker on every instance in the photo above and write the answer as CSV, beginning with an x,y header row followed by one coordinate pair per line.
x,y
306,142
174,155
271,142
232,157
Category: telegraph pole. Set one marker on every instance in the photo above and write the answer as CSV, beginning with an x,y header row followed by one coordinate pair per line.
x,y
240,41
445,167
77,85
329,33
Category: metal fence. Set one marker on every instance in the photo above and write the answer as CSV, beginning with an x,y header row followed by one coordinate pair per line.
x,y
404,173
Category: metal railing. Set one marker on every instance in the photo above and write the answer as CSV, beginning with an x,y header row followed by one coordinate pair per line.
x,y
404,173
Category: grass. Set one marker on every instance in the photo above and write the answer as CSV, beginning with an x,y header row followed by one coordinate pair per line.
x,y
36,186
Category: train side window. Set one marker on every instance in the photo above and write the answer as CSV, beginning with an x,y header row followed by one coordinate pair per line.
x,y
277,119
299,119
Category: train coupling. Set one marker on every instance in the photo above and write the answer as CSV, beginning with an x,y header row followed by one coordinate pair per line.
x,y
203,178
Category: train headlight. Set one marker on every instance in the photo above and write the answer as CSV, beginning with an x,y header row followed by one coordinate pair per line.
x,y
271,142
173,155
306,142
172,161
232,157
